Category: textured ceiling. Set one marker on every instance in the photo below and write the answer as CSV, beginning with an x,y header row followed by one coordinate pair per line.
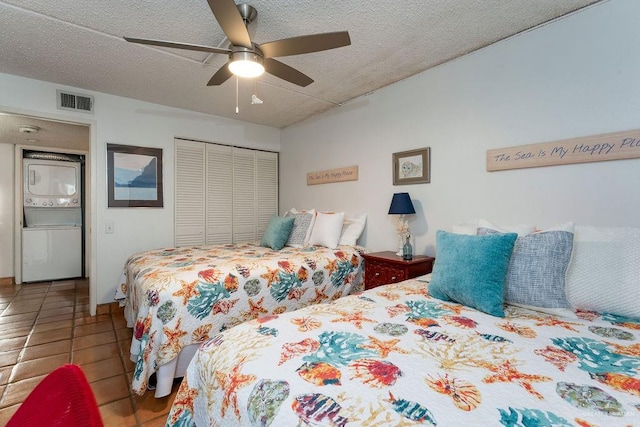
x,y
51,134
79,43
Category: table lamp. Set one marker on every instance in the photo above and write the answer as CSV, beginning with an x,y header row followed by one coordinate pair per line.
x,y
401,205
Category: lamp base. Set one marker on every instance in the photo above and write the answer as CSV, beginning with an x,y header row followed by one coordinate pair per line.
x,y
399,253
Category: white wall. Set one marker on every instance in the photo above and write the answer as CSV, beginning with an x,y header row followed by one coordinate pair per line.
x,y
126,121
574,77
6,210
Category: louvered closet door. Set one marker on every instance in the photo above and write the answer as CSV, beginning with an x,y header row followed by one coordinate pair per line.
x,y
219,216
189,193
267,188
244,196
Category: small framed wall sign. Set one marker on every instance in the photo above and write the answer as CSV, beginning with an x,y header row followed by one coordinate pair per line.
x,y
134,176
411,167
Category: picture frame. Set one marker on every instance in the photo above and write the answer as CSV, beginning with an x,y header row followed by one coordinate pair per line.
x,y
412,167
134,176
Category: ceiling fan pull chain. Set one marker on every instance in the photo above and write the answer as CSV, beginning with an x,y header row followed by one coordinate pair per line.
x,y
237,108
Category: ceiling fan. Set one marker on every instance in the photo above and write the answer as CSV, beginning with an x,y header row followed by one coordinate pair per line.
x,y
248,59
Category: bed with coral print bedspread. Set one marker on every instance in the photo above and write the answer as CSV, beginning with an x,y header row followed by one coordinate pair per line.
x,y
182,296
392,356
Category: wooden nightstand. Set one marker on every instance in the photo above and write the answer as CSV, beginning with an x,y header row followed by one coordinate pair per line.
x,y
382,268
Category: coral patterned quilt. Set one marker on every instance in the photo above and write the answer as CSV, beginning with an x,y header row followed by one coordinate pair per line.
x,y
182,296
392,356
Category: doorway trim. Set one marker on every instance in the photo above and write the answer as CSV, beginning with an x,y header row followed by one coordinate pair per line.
x,y
92,204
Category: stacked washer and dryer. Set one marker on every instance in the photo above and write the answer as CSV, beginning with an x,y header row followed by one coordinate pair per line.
x,y
52,228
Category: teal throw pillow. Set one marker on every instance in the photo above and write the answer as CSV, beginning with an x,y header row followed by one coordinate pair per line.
x,y
472,270
277,232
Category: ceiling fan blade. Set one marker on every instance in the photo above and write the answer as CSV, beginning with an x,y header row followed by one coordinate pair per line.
x,y
286,72
221,76
305,44
231,22
185,46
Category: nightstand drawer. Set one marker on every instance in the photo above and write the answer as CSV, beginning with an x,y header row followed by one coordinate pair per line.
x,y
380,274
383,268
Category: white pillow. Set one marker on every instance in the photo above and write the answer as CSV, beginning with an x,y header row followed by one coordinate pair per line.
x,y
300,235
604,274
352,229
470,228
521,229
326,230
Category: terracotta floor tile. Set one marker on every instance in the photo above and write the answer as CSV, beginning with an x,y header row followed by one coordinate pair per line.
x,y
8,326
49,336
102,309
48,349
82,309
156,422
125,347
31,299
63,285
100,345
129,365
17,392
51,305
57,318
22,307
13,343
92,328
110,389
86,319
5,374
118,413
34,291
94,354
50,326
18,317
93,340
35,287
103,369
16,332
119,322
7,413
124,334
68,294
8,358
149,407
36,367
53,298
55,312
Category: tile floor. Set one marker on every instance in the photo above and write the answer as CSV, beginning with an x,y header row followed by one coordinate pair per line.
x,y
45,325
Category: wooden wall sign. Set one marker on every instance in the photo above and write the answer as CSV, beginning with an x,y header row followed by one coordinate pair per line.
x,y
596,148
349,173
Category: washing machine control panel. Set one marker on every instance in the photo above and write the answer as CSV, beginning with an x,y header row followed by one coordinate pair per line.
x,y
42,202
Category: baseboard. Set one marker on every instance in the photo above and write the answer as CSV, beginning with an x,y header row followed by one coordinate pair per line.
x,y
7,281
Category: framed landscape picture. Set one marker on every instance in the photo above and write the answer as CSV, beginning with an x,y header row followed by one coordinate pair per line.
x,y
411,167
134,176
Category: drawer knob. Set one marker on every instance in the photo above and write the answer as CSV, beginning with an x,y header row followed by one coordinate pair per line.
x,y
377,274
393,278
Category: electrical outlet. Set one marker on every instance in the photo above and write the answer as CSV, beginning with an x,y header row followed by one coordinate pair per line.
x,y
108,227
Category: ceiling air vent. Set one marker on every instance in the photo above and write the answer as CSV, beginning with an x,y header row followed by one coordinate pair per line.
x,y
74,101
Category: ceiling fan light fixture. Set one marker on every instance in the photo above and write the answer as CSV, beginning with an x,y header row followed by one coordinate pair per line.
x,y
246,64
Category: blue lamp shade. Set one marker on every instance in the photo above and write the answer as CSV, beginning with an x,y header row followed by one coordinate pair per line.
x,y
401,204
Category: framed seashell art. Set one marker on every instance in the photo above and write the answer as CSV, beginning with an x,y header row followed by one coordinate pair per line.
x,y
411,167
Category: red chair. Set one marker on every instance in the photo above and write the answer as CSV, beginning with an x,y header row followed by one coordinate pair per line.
x,y
63,398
